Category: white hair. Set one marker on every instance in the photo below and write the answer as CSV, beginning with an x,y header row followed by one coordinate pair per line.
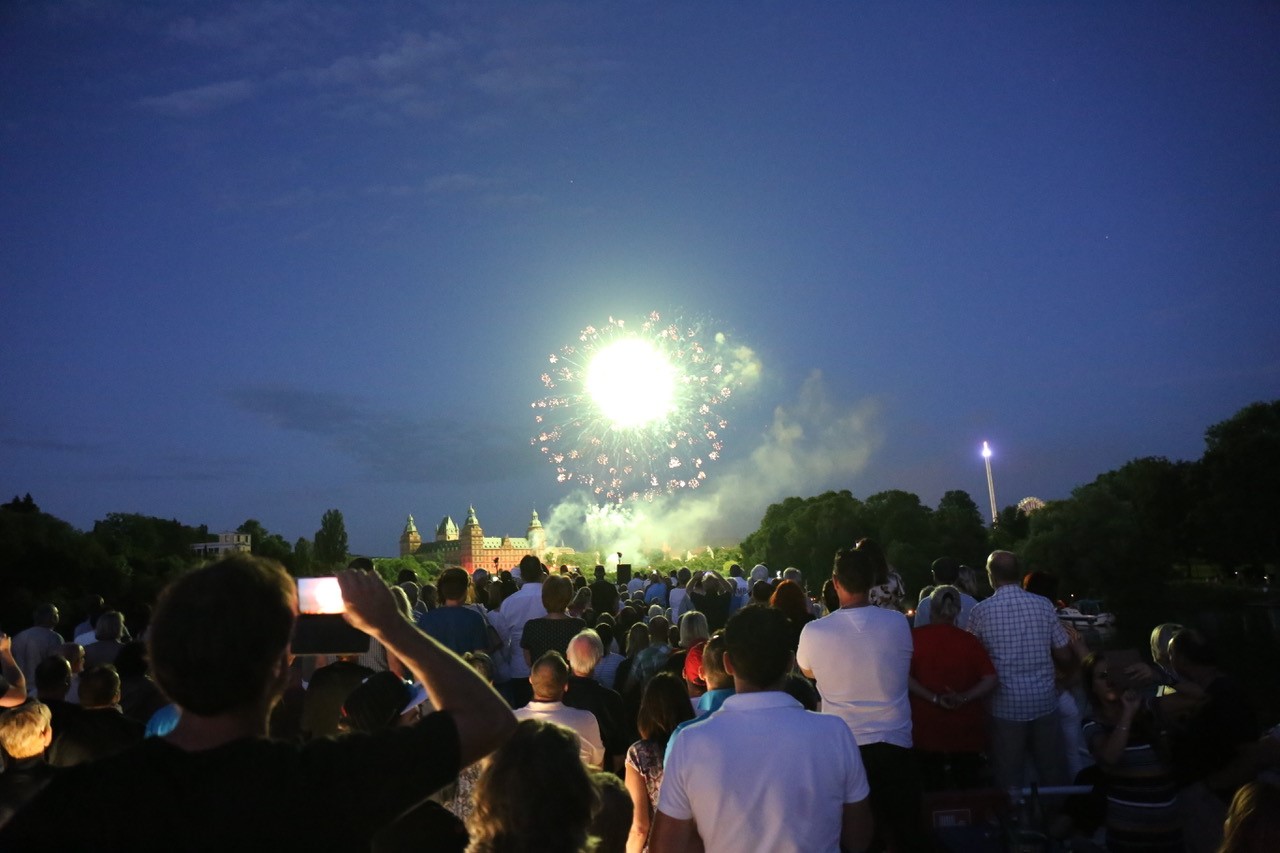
x,y
585,651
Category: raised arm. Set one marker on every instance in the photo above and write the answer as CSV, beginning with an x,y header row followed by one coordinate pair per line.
x,y
482,717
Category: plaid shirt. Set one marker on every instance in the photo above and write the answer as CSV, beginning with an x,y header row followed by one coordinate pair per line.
x,y
1018,629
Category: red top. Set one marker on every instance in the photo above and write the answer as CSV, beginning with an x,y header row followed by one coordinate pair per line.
x,y
948,659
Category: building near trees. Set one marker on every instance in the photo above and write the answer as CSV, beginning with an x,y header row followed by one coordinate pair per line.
x,y
228,543
471,549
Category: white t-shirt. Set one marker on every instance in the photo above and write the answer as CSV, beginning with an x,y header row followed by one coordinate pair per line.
x,y
762,773
524,605
861,658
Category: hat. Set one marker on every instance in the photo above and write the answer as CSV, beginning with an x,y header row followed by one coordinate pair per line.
x,y
693,664
760,572
380,700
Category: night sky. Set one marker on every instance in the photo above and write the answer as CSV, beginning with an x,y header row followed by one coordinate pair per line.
x,y
261,259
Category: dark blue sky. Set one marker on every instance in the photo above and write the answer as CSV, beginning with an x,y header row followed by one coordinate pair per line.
x,y
265,258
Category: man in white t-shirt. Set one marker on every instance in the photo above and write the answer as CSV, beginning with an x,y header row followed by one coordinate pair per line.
x,y
861,658
519,608
762,773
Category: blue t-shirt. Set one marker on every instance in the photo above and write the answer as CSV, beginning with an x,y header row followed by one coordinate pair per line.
x,y
458,628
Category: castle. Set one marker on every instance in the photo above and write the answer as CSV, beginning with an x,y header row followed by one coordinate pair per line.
x,y
471,549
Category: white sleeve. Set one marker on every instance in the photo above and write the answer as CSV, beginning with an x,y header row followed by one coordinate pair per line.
x,y
673,799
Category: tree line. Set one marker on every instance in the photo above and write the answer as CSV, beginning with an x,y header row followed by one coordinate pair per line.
x,y
1119,536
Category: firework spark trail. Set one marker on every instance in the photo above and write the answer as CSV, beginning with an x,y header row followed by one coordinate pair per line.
x,y
672,452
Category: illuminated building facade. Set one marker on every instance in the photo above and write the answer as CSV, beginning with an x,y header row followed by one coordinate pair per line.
x,y
470,548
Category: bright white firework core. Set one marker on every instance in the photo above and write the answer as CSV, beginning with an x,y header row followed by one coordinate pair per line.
x,y
632,383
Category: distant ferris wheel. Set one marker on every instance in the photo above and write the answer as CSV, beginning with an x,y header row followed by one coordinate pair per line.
x,y
1029,505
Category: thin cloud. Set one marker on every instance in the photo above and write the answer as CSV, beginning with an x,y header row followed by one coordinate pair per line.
x,y
392,446
202,99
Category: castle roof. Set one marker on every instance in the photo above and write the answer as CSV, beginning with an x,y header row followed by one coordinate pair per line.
x,y
446,527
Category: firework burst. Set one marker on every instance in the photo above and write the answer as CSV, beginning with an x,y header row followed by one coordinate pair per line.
x,y
634,411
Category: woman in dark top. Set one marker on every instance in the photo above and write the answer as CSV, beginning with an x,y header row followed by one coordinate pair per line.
x,y
1142,799
711,595
553,631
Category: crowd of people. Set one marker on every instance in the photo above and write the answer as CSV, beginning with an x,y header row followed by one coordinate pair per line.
x,y
539,709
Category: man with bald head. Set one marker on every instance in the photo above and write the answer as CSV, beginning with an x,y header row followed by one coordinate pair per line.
x,y
1024,637
549,678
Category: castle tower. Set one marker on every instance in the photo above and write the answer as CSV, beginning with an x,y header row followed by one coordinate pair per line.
x,y
472,542
410,540
536,535
446,530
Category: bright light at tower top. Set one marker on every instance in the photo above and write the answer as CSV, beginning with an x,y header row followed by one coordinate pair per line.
x,y
986,450
632,383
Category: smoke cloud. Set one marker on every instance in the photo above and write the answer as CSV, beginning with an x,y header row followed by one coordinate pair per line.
x,y
813,444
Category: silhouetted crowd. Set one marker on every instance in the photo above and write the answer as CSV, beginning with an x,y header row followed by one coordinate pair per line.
x,y
542,710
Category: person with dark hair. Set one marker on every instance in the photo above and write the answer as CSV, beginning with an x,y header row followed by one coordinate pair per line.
x,y
1212,744
518,607
946,572
549,678
612,823
139,696
219,648
383,702
711,595
53,681
329,686
514,814
860,657
1141,798
459,628
830,598
678,598
606,670
799,787
663,707
99,730
604,595
1024,637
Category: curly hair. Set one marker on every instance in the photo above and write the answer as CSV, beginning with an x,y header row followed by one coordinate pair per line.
x,y
515,812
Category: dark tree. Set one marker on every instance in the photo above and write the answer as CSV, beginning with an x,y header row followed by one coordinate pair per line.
x,y
331,540
266,544
1239,489
958,529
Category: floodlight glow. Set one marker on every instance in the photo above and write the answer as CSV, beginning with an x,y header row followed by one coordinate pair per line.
x,y
986,450
632,383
